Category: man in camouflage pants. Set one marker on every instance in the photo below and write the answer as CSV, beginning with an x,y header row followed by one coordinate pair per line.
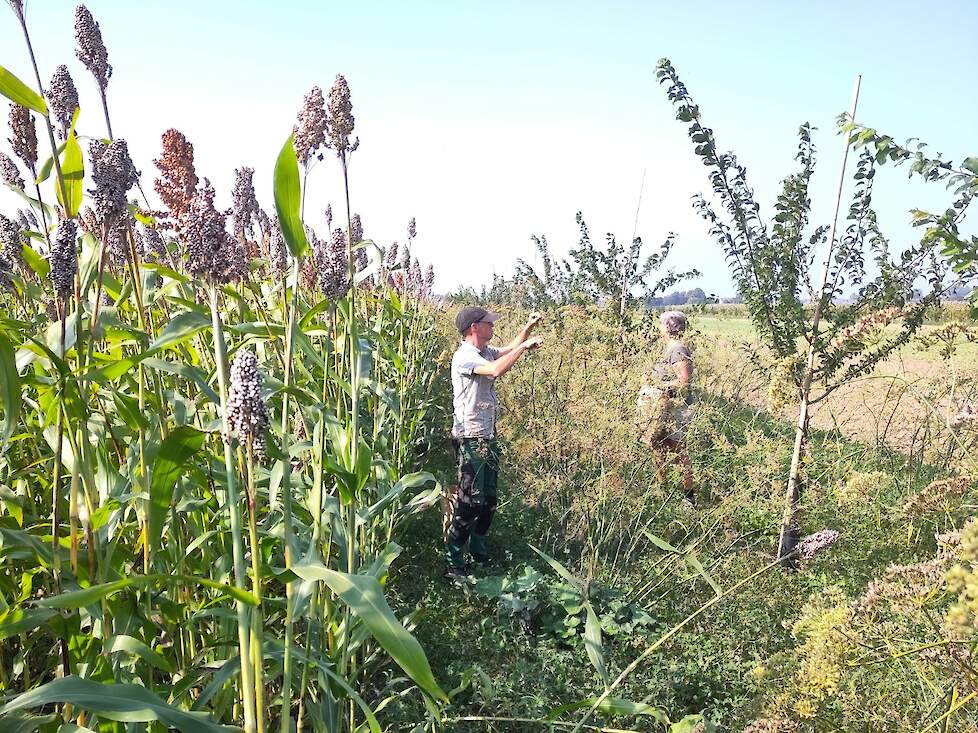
x,y
475,367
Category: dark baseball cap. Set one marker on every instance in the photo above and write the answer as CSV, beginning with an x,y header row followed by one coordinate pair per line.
x,y
473,314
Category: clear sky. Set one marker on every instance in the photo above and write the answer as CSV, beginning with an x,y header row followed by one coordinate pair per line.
x,y
492,121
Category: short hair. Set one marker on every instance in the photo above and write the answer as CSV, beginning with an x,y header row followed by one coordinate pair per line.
x,y
674,322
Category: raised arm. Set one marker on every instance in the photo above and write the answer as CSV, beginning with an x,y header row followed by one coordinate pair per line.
x,y
504,363
522,336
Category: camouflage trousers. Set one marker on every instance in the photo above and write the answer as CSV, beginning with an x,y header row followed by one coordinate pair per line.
x,y
471,504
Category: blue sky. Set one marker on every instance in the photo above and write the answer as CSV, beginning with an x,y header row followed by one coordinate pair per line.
x,y
490,122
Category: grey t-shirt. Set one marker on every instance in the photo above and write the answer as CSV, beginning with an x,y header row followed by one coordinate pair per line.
x,y
475,395
675,353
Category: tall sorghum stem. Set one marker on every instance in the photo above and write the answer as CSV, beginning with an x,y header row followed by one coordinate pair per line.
x,y
257,655
290,306
234,509
47,119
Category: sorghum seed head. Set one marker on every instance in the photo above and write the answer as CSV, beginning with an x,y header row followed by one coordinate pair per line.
x,y
154,248
244,203
331,265
91,49
390,257
63,98
18,8
113,174
309,133
203,230
10,242
117,239
340,116
356,229
412,230
177,183
329,215
278,252
23,135
247,415
26,219
64,257
429,279
9,173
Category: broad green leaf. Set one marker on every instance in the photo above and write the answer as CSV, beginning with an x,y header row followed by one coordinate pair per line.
x,y
288,200
181,327
186,371
125,703
38,264
19,93
15,621
10,395
73,173
661,543
365,598
132,645
691,560
592,643
612,706
178,447
22,723
93,594
561,570
44,171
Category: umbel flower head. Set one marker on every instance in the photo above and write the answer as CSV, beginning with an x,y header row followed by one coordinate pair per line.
x,y
244,203
203,230
113,174
23,135
177,183
63,98
64,258
309,133
340,110
247,414
9,173
91,49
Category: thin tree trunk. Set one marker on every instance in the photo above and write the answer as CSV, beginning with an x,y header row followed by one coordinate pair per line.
x,y
790,530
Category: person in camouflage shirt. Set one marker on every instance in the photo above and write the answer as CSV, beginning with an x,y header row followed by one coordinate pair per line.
x,y
475,368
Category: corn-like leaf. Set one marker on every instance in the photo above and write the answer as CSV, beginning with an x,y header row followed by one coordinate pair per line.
x,y
288,200
44,172
93,594
592,643
73,173
177,449
365,598
19,93
15,621
125,703
561,570
10,395
181,327
132,645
